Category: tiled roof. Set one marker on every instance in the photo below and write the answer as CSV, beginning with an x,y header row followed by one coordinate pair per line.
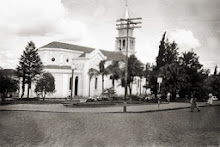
x,y
111,55
68,46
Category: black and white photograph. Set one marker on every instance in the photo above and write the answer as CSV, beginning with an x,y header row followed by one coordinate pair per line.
x,y
109,73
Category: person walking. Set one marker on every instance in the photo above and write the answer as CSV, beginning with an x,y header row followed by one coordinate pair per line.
x,y
193,102
158,101
210,100
168,97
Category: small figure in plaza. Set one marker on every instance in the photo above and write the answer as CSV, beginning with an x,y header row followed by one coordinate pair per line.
x,y
158,101
210,100
193,102
168,97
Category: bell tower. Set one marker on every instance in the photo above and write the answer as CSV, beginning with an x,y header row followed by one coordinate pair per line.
x,y
125,36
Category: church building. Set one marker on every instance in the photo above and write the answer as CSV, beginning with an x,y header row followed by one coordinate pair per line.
x,y
59,59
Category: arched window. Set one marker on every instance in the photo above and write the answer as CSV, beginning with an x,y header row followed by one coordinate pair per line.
x,y
131,44
123,43
96,82
76,85
70,84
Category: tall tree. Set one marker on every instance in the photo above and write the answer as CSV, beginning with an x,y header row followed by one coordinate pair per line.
x,y
29,67
92,72
168,54
160,60
21,71
215,72
46,84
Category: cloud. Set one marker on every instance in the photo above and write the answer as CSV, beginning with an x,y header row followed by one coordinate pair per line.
x,y
39,18
185,39
41,21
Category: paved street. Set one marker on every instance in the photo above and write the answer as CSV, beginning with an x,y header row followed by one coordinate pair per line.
x,y
164,128
130,108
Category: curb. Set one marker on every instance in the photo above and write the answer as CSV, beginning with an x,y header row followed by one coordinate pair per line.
x,y
146,111
169,109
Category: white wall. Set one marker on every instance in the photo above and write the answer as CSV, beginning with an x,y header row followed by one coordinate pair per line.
x,y
82,64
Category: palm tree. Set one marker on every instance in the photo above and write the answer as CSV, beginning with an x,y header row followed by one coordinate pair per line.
x,y
92,72
135,68
102,71
114,71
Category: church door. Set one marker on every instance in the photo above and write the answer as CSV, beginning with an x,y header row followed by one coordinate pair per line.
x,y
76,86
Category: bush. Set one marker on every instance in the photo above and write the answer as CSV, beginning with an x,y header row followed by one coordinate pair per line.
x,y
136,98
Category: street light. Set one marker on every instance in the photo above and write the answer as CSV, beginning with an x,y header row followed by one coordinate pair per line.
x,y
72,68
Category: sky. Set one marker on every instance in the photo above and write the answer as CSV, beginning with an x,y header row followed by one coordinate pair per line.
x,y
192,24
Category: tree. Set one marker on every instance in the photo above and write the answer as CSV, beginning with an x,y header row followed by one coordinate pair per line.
x,y
114,71
92,72
216,72
21,71
168,54
102,72
196,75
29,67
46,84
191,60
135,68
171,52
7,85
161,55
174,78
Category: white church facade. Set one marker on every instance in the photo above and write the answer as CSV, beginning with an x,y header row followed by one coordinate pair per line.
x,y
58,58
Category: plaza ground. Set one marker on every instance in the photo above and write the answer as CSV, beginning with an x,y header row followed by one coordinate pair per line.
x,y
162,128
117,109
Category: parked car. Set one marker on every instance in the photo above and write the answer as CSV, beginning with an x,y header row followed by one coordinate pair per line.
x,y
91,99
214,98
148,97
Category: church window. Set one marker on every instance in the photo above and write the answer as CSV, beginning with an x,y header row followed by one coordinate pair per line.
x,y
96,83
123,43
131,44
53,59
70,84
67,60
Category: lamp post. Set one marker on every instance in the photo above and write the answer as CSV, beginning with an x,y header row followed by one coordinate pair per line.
x,y
71,95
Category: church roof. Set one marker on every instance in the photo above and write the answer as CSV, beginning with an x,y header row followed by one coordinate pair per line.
x,y
111,55
56,44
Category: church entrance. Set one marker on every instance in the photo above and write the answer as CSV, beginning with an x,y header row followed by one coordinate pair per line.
x,y
76,86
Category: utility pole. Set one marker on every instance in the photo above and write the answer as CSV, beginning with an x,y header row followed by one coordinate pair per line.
x,y
128,24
